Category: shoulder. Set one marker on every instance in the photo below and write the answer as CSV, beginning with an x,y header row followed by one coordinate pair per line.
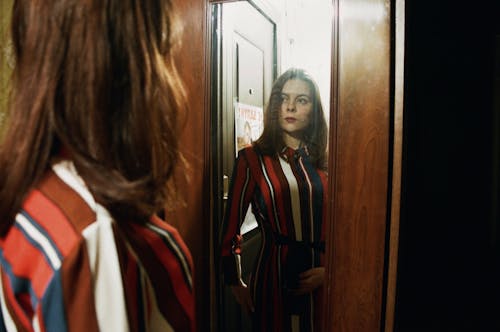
x,y
250,150
55,212
45,232
252,153
171,237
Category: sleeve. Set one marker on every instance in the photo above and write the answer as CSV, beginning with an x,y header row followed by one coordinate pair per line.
x,y
240,194
157,264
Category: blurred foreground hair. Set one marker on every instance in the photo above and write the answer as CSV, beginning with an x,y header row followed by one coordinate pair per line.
x,y
94,80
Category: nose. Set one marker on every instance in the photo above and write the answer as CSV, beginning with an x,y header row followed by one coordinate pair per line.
x,y
290,106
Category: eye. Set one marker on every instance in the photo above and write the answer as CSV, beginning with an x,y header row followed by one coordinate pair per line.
x,y
284,98
303,100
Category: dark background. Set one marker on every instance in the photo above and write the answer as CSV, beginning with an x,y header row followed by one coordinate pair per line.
x,y
448,273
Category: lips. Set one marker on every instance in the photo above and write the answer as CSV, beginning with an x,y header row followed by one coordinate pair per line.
x,y
290,120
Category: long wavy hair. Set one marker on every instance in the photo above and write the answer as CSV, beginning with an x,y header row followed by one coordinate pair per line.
x,y
96,79
315,136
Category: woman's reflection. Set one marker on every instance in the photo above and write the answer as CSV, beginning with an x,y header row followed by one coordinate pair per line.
x,y
283,176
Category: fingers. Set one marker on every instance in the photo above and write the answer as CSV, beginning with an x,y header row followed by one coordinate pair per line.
x,y
316,271
310,280
305,287
307,274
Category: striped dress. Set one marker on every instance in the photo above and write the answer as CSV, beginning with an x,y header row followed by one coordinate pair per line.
x,y
287,196
66,266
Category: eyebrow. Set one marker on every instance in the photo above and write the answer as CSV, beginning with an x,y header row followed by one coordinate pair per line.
x,y
300,95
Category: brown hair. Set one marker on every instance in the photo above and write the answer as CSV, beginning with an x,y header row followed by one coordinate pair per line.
x,y
315,135
97,79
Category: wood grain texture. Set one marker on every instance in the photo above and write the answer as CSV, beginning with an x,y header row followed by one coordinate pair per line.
x,y
399,51
359,145
192,215
359,166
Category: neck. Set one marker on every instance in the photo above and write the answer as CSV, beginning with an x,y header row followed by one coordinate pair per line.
x,y
292,141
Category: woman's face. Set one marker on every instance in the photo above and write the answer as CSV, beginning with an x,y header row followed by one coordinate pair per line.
x,y
296,107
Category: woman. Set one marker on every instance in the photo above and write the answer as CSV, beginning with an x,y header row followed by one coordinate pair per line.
x,y
282,176
84,166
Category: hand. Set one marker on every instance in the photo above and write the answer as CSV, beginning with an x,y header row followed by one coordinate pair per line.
x,y
243,297
309,280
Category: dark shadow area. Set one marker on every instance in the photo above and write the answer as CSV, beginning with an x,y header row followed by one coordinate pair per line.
x,y
448,270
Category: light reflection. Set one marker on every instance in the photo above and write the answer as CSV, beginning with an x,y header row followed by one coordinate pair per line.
x,y
363,10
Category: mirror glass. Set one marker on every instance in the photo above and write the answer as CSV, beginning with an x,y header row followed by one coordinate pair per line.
x,y
277,210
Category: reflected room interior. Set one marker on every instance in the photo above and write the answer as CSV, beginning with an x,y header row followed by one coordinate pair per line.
x,y
252,43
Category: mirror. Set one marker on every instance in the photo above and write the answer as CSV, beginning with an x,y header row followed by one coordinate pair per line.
x,y
252,44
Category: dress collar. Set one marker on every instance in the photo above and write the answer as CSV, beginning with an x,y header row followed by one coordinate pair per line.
x,y
287,152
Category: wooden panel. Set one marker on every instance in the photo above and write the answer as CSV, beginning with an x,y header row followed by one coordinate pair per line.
x,y
392,258
192,217
359,166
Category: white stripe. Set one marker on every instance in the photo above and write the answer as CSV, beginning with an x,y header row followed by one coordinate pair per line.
x,y
178,252
294,198
109,294
7,319
36,323
40,239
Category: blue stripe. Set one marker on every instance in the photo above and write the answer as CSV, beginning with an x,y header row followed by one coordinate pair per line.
x,y
17,284
34,242
53,305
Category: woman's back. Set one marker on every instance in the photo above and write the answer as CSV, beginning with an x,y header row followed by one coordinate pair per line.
x,y
67,266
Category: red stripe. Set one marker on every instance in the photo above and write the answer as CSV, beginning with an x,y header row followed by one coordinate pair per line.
x,y
40,319
130,281
169,260
27,261
52,220
256,166
237,195
282,190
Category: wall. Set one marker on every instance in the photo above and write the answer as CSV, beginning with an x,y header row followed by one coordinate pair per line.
x,y
5,58
306,41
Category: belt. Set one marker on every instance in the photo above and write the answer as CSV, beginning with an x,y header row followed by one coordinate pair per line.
x,y
281,239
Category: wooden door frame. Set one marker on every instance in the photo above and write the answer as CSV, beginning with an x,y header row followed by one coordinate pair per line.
x,y
365,174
